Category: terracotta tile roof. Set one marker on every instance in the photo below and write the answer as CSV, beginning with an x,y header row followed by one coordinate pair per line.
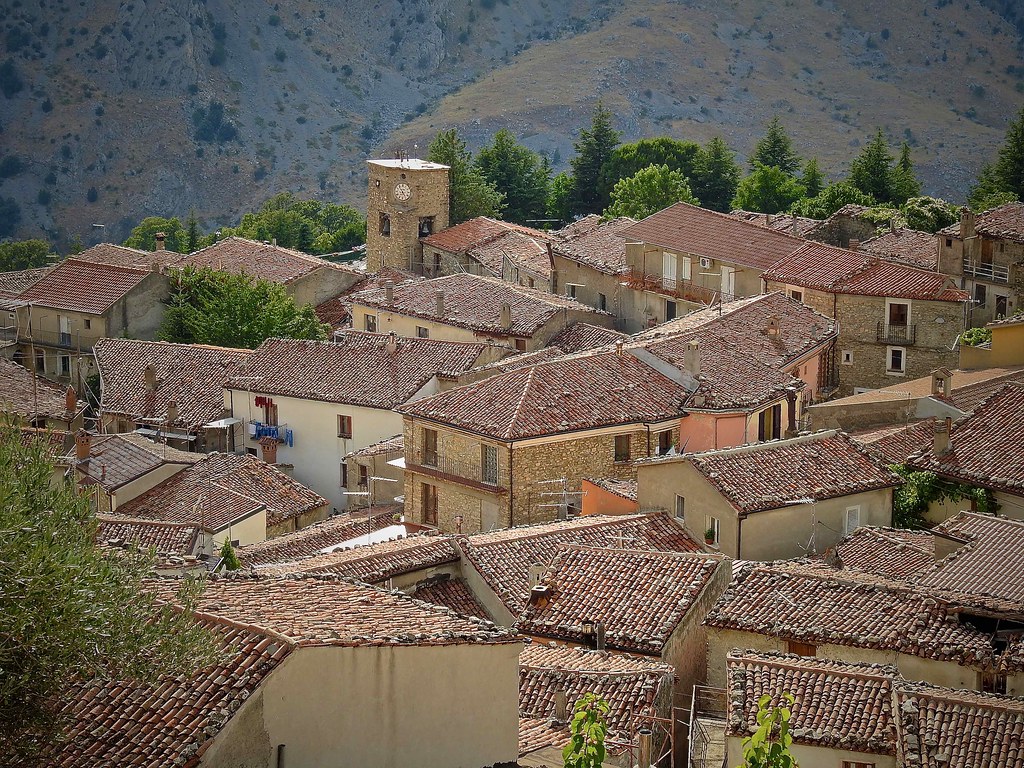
x,y
162,537
893,444
29,399
115,460
262,260
633,687
54,441
337,311
1015,319
191,375
391,446
839,270
891,552
992,563
475,302
764,476
624,488
222,489
640,596
580,337
948,728
514,362
837,705
789,224
358,369
503,558
909,246
987,447
311,540
125,723
968,389
328,610
376,562
854,609
464,237
686,228
565,395
521,250
123,256
13,283
595,243
454,594
1005,222
82,286
969,396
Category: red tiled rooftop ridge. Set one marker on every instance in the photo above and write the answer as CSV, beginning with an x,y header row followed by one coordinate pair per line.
x,y
83,286
262,260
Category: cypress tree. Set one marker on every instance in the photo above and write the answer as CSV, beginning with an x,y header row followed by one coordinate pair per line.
x,y
775,150
591,191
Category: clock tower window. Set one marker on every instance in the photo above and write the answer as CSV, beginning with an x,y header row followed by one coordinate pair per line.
x,y
426,225
385,224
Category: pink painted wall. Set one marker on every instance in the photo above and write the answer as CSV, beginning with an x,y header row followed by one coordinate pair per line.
x,y
598,501
706,431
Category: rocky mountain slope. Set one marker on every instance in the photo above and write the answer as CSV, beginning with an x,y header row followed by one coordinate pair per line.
x,y
112,105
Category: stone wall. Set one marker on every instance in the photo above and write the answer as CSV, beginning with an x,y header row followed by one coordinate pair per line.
x,y
429,198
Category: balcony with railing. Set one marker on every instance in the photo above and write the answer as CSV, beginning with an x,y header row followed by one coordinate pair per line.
x,y
994,273
896,335
683,290
61,340
8,335
493,477
280,432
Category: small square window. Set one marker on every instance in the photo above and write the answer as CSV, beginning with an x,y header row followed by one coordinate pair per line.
x,y
370,323
364,476
949,242
801,649
621,449
520,345
344,426
798,295
65,365
852,522
980,294
422,333
88,322
602,302
570,290
847,357
896,360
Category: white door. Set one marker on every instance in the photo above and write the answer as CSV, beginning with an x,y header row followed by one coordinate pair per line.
x,y
729,281
65,329
668,270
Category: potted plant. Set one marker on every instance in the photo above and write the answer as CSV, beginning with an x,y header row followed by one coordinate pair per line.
x,y
709,536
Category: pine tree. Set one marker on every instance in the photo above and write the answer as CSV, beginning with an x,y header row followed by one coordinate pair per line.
x,y
518,173
1003,180
775,150
469,193
871,171
716,176
812,180
591,188
903,184
192,235
767,190
228,556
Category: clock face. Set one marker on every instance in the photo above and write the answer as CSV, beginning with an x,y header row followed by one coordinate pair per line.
x,y
403,191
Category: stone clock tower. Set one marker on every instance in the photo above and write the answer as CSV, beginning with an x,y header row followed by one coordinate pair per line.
x,y
408,199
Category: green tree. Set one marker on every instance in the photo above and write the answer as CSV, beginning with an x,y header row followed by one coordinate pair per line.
x,y
305,225
767,190
627,160
716,176
929,214
25,254
588,729
1005,176
69,610
228,556
871,170
469,193
812,179
192,236
775,150
769,745
910,501
143,236
227,310
560,198
519,174
649,191
831,199
903,183
591,187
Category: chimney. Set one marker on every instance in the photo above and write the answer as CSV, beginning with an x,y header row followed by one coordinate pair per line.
x,y
767,219
439,296
791,411
536,571
389,292
539,595
269,446
160,238
644,747
774,326
149,374
172,411
940,442
561,705
599,636
273,241
618,347
70,400
941,384
691,358
83,445
391,345
505,319
854,244
967,223
892,224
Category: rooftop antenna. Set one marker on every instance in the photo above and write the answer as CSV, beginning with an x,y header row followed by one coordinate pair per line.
x,y
563,494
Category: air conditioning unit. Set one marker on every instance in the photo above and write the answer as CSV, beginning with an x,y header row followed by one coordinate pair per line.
x,y
705,262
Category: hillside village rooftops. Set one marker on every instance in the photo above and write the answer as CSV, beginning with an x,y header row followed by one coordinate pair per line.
x,y
388,447
909,246
13,283
640,596
367,369
475,302
838,705
116,460
595,243
521,250
262,260
839,270
465,237
503,558
454,594
189,375
686,228
890,552
123,256
990,563
32,397
564,395
83,286
1005,222
337,310
855,609
220,489
762,476
789,224
161,536
986,448
581,337
895,443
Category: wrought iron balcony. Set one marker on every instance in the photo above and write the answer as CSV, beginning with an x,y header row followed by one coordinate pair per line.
x,y
994,273
684,290
896,335
459,469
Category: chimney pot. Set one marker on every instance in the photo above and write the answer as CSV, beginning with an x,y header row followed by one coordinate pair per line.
x,y
160,237
940,442
774,326
269,446
149,373
644,739
83,445
391,345
439,296
599,636
539,595
273,241
389,292
691,358
561,705
619,347
536,571
854,244
172,411
70,400
941,385
967,223
505,319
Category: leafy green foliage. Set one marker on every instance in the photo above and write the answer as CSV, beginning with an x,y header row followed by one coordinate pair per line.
x,y
68,609
775,150
920,490
589,727
831,199
305,225
874,173
591,190
929,214
228,556
903,183
519,174
25,254
627,160
143,236
767,190
1005,176
768,746
716,176
975,337
227,310
648,191
560,198
812,179
469,193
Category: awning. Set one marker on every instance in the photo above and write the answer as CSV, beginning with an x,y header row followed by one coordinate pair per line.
x,y
399,462
222,423
169,435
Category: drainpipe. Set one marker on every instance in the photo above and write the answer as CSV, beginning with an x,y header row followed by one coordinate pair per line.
x,y
648,428
511,512
739,537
